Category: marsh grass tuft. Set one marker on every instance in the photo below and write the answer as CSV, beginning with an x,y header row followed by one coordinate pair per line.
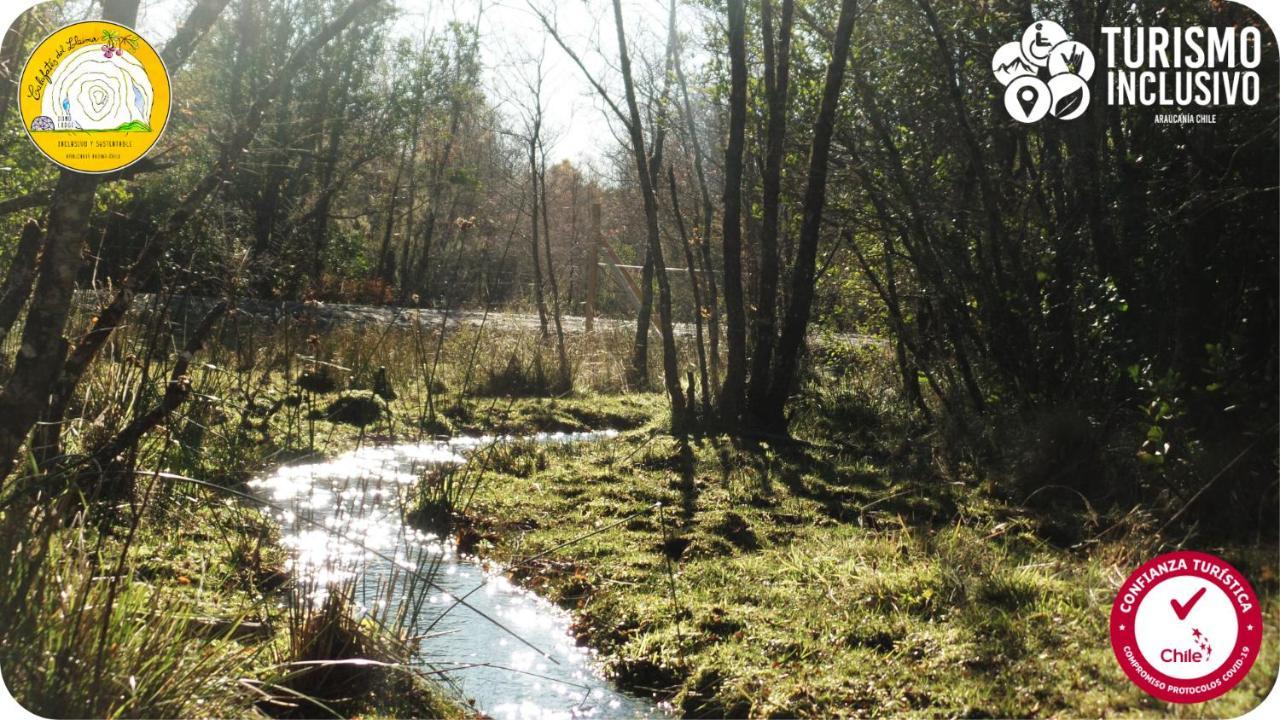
x,y
110,621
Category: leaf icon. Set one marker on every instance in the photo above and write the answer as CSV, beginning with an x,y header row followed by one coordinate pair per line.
x,y
1068,103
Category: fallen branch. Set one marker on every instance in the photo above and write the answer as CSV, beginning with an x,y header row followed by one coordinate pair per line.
x,y
175,394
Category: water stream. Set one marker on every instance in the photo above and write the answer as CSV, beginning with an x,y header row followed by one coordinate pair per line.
x,y
505,648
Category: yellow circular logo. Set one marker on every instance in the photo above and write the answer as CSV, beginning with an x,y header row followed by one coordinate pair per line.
x,y
94,96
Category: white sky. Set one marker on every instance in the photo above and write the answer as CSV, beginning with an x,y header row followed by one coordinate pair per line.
x,y
577,122
512,37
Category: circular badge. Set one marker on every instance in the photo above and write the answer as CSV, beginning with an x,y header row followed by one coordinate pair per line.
x,y
1186,627
1039,39
94,96
1027,99
1071,57
1008,63
1070,96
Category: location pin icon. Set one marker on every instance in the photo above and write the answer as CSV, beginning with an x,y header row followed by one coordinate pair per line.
x,y
1027,97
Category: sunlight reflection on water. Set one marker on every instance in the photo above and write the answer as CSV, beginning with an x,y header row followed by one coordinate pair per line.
x,y
345,519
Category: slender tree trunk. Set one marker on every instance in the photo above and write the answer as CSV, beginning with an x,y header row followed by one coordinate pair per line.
x,y
902,344
22,272
406,245
422,271
777,66
644,318
574,250
802,274
671,373
731,396
566,374
708,218
329,167
697,294
534,251
183,43
386,261
644,324
40,355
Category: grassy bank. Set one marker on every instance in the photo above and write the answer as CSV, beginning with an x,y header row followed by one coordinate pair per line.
x,y
863,570
819,579
177,606
168,595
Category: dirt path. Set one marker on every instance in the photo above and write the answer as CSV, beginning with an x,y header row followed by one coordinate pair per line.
x,y
328,315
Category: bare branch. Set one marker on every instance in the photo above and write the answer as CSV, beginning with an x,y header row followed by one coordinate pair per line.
x,y
179,49
604,95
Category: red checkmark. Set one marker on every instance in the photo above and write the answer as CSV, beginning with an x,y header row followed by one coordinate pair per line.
x,y
1182,609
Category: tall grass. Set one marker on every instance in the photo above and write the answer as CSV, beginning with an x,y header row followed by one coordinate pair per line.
x,y
169,599
84,634
350,640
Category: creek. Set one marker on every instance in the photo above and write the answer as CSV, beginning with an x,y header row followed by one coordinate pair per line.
x,y
507,650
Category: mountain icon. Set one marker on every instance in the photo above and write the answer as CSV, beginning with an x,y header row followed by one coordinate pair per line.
x,y
1016,64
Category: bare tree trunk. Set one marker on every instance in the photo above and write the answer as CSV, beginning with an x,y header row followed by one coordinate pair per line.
x,y
708,218
566,374
644,318
731,396
406,245
421,271
575,251
644,322
183,43
670,372
697,294
22,272
386,260
802,274
40,356
888,292
538,294
329,167
777,66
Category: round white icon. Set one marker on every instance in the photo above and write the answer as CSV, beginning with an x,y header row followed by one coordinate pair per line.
x,y
1044,73
1008,63
1186,627
1071,57
1070,96
1027,99
1039,39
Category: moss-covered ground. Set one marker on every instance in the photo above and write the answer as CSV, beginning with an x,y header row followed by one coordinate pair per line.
x,y
816,580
